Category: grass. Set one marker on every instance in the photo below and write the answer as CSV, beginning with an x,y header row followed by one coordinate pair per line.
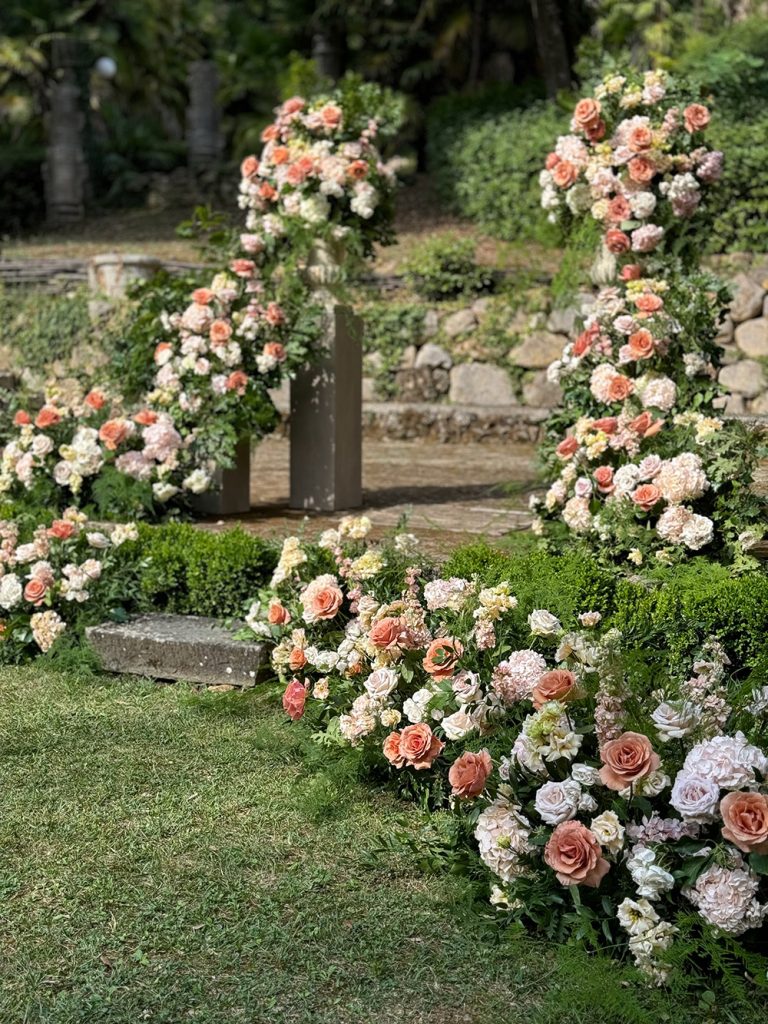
x,y
169,857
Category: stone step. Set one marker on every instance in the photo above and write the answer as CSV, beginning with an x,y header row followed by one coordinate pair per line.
x,y
185,647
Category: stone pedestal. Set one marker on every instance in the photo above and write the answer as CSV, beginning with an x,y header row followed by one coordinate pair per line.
x,y
231,491
110,274
204,140
326,419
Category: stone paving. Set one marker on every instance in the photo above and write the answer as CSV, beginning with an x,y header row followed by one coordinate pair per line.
x,y
449,492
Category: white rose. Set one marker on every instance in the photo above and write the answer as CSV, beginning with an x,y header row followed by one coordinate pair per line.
x,y
695,798
675,719
651,879
466,687
558,801
381,683
414,707
543,623
459,724
585,774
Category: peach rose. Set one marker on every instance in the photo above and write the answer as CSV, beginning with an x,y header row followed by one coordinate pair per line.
x,y
616,241
649,303
22,419
608,424
202,296
275,350
619,209
266,191
642,344
358,170
595,131
641,424
47,417
442,657
269,134
587,113
575,856
145,417
242,267
331,116
249,167
552,160
392,750
604,479
646,496
35,591
113,433
567,448
641,169
278,615
386,633
469,773
555,685
627,759
419,746
640,139
95,400
293,105
632,272
745,821
61,529
696,117
564,174
280,155
294,699
323,602
237,381
220,332
619,388
297,659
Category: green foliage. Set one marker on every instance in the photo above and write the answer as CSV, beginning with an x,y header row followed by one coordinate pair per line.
x,y
739,205
444,266
200,572
390,327
46,328
486,165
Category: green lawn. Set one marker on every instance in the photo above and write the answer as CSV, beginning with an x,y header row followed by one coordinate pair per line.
x,y
169,857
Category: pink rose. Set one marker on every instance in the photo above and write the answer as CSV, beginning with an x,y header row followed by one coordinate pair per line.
x,y
627,759
294,698
575,856
745,821
469,773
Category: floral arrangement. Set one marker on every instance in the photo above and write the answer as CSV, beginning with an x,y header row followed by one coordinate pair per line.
x,y
640,466
48,574
635,162
599,806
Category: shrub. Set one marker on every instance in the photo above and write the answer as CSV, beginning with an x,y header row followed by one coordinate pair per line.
x,y
390,327
46,328
739,206
444,267
198,572
486,166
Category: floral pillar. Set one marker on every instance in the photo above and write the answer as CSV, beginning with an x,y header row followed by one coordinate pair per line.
x,y
326,404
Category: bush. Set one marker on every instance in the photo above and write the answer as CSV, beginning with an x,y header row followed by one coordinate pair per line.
x,y
46,328
444,267
197,572
739,206
390,327
486,165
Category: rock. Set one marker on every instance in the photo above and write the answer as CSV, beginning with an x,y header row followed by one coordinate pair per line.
x,y
752,338
422,384
734,405
759,405
538,350
729,354
540,393
189,647
480,384
408,358
765,306
369,389
725,331
562,321
460,322
745,378
433,355
481,306
747,298
431,324
373,361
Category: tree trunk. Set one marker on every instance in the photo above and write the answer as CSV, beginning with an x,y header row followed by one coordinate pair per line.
x,y
550,42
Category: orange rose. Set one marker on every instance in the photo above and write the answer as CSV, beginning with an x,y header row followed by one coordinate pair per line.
x,y
386,633
640,138
649,303
641,169
642,344
202,296
646,496
35,591
469,773
237,381
47,417
297,660
575,856
696,117
616,241
564,174
22,418
626,760
274,314
294,699
745,821
113,433
619,209
641,424
442,657
331,116
555,685
266,191
220,332
583,344
280,155
145,417
604,479
567,448
587,113
608,424
242,267
552,160
95,400
249,166
277,615
632,272
322,601
61,529
619,388
358,170
276,350
419,746
392,750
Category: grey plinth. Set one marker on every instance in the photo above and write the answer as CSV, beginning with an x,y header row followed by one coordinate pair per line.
x,y
326,419
111,273
231,491
188,647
